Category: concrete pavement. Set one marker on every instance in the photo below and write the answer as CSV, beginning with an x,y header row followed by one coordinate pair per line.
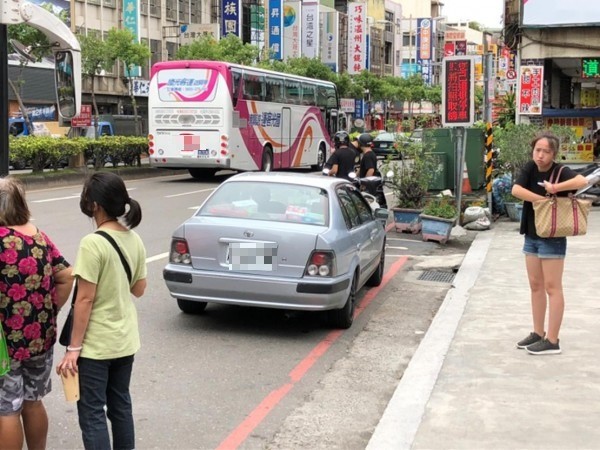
x,y
469,387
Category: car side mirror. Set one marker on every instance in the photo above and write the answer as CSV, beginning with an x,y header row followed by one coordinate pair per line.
x,y
382,214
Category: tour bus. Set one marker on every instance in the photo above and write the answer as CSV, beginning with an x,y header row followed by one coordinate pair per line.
x,y
205,116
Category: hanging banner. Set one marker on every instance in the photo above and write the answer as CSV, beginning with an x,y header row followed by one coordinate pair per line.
x,y
275,30
291,29
231,18
458,91
329,39
530,90
131,21
357,37
424,48
310,29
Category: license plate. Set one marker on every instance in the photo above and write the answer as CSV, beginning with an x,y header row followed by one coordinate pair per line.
x,y
383,145
203,153
251,256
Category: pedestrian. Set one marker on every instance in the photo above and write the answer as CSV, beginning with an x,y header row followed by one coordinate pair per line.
x,y
105,333
35,281
544,257
368,160
342,161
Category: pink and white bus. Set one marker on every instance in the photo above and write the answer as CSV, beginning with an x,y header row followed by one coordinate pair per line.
x,y
205,116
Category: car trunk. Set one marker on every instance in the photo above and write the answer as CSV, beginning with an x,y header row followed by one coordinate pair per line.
x,y
216,244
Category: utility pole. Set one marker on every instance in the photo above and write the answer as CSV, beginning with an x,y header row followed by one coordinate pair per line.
x,y
4,159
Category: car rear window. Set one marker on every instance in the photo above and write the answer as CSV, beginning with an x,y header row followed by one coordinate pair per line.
x,y
277,202
385,137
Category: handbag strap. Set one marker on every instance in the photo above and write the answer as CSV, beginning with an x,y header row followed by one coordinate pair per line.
x,y
553,180
119,252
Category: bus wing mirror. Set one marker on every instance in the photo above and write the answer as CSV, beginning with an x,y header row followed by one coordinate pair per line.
x,y
68,86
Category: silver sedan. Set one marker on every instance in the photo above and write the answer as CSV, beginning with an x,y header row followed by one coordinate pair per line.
x,y
279,240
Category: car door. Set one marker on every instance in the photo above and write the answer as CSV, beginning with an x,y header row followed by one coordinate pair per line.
x,y
372,229
359,233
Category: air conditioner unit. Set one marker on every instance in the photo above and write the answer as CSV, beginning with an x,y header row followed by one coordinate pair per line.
x,y
171,14
155,11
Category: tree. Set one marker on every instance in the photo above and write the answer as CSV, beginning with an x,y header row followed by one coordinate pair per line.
x,y
230,49
123,47
95,57
506,109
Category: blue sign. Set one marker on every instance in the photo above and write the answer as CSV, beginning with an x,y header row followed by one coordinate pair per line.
x,y
231,18
275,29
425,37
359,108
131,21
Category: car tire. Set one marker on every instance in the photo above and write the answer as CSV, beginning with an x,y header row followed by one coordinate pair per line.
x,y
267,160
321,157
18,165
377,277
201,174
343,318
190,307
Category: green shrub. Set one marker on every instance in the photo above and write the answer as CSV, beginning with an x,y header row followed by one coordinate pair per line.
x,y
443,207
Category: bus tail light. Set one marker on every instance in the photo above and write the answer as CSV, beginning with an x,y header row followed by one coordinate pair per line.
x,y
224,145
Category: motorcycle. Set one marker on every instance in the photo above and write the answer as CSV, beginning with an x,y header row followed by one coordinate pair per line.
x,y
591,190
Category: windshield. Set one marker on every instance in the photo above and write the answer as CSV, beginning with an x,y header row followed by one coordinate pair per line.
x,y
276,202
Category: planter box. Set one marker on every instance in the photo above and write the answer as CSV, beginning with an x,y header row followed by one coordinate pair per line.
x,y
436,228
514,211
407,220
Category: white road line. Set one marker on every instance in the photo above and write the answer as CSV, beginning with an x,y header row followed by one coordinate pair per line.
x,y
194,207
190,193
56,199
397,248
400,239
156,257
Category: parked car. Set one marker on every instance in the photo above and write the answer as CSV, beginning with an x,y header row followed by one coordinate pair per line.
x,y
386,144
278,240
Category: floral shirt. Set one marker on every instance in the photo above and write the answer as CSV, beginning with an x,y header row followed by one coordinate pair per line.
x,y
27,294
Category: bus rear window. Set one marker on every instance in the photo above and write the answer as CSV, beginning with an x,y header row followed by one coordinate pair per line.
x,y
187,85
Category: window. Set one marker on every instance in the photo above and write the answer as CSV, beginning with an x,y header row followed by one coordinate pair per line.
x,y
309,94
327,97
253,87
363,208
236,78
274,90
292,92
349,210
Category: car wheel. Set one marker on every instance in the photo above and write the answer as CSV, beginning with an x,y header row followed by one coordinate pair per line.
x,y
18,165
267,160
190,307
200,174
377,277
343,318
320,159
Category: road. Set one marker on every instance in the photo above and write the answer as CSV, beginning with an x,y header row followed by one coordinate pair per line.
x,y
242,377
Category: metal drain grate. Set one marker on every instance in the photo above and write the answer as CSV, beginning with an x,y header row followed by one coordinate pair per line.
x,y
440,277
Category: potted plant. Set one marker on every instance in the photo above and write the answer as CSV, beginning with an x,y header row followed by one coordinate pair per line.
x,y
438,218
409,184
514,207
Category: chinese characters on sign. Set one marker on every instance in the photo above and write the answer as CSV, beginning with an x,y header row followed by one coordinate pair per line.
x,y
310,29
231,18
140,88
291,29
131,21
531,90
357,37
84,119
265,119
458,91
275,29
424,47
590,68
329,39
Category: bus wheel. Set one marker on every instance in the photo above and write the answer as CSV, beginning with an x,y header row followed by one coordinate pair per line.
x,y
320,159
200,174
267,160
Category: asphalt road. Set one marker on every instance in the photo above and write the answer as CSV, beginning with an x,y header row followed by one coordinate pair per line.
x,y
243,377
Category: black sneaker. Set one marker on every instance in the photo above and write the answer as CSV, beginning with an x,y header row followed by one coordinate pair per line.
x,y
531,339
544,347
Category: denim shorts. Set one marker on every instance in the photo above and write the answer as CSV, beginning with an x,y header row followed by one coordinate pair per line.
x,y
549,248
27,380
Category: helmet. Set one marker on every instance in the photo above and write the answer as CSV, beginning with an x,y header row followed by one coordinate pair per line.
x,y
341,138
365,139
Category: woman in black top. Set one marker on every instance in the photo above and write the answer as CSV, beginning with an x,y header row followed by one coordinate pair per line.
x,y
544,257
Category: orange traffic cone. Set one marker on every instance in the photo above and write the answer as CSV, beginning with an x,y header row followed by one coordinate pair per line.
x,y
466,185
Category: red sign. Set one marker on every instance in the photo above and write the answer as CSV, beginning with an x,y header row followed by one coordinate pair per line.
x,y
449,49
84,119
531,90
458,91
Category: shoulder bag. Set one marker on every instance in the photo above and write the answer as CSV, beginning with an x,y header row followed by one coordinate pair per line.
x,y
4,358
65,335
560,216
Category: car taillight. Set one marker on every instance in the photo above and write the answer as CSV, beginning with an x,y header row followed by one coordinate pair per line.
x,y
320,264
180,253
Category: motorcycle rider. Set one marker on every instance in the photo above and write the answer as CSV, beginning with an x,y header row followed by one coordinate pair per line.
x,y
368,168
342,161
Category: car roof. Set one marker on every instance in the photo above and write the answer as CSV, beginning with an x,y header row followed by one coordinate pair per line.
x,y
319,181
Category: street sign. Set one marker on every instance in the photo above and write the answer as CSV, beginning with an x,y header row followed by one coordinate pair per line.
x,y
458,91
84,119
531,90
511,74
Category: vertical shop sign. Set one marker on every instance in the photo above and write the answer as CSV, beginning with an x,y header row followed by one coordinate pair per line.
x,y
460,48
458,91
424,41
329,39
531,90
131,21
231,18
275,30
291,29
357,37
310,29
449,49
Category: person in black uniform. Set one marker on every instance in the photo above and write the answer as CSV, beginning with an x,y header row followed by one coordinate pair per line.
x,y
341,162
368,161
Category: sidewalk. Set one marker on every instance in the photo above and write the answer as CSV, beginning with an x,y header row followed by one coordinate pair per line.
x,y
469,387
